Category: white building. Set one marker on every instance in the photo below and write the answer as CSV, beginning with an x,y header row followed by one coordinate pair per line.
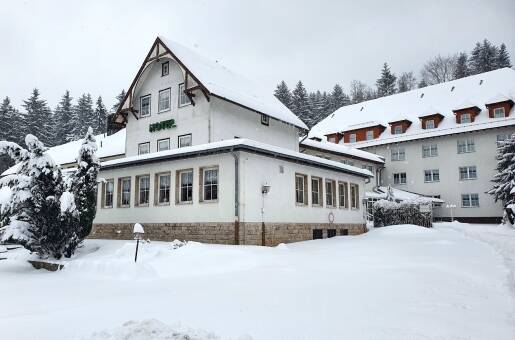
x,y
436,141
209,156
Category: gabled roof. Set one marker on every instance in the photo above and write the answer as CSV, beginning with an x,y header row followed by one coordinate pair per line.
x,y
342,150
216,80
440,98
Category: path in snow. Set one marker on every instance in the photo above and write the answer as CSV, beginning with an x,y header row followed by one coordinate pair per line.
x,y
400,282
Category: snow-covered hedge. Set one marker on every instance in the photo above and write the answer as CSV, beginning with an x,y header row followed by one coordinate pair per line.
x,y
407,212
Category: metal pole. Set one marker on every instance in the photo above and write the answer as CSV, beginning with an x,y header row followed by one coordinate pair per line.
x,y
136,255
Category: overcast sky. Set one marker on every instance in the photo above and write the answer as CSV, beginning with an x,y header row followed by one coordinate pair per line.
x,y
98,46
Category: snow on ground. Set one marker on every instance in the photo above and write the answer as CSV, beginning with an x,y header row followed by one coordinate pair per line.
x,y
399,282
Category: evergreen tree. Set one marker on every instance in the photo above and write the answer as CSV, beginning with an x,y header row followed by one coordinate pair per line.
x,y
300,104
475,64
503,57
326,104
282,92
338,98
317,107
38,117
84,116
100,117
504,187
488,56
7,113
112,127
386,83
65,120
406,82
461,69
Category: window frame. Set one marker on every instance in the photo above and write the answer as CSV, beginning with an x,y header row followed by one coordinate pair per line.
x,y
141,98
105,194
179,186
354,197
320,191
304,190
399,175
157,191
265,120
433,125
182,136
161,140
169,90
121,192
470,200
369,135
204,185
181,94
468,172
142,144
396,151
163,65
432,173
430,149
139,179
353,138
345,195
467,114
469,143
503,112
330,193
397,129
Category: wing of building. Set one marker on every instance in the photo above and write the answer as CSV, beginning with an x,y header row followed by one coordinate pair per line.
x,y
210,156
437,141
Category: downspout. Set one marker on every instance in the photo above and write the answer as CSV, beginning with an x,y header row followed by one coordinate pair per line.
x,y
237,198
379,172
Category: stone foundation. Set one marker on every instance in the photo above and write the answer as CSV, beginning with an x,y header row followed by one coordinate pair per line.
x,y
226,233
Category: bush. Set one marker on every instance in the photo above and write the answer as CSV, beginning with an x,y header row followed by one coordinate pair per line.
x,y
407,212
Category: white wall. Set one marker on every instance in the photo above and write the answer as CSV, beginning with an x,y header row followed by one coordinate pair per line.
x,y
448,162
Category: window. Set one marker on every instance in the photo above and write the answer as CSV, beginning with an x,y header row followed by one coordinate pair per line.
x,y
185,187
209,184
318,234
183,98
165,68
124,185
354,196
144,106
143,190
499,112
331,139
465,118
368,167
108,193
432,175
468,172
397,129
316,191
184,140
501,138
470,200
351,163
466,146
343,199
163,144
330,194
265,120
398,154
399,178
143,148
164,188
370,135
300,189
430,124
429,150
352,138
164,100
331,233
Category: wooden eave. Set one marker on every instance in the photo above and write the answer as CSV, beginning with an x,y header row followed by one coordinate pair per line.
x,y
432,115
475,109
395,122
509,101
381,126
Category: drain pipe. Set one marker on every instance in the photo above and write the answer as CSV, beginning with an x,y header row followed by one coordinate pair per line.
x,y
237,198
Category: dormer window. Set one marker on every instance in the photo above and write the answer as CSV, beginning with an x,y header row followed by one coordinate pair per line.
x,y
352,138
265,120
144,106
165,68
397,129
370,135
331,139
430,124
465,118
499,112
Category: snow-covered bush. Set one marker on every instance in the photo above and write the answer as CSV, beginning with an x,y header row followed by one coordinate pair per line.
x,y
176,244
46,213
504,187
407,212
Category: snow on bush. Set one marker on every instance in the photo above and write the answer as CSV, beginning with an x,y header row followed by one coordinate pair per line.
x,y
47,214
406,212
176,244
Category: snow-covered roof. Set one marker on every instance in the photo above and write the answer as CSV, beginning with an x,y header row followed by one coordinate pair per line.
x,y
398,194
235,144
477,90
224,83
342,149
108,146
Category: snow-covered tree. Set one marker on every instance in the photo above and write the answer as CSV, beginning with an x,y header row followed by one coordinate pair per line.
x,y
357,91
406,82
38,117
84,115
338,98
439,69
300,104
64,119
461,70
386,83
112,127
100,119
282,92
503,57
504,187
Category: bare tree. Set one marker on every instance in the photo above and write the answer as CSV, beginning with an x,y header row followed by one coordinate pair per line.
x,y
406,82
439,69
360,92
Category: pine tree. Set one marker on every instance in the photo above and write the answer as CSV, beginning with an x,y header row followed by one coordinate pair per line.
x,y
65,120
282,92
503,57
386,83
100,117
317,106
7,113
112,127
300,104
326,104
406,82
461,69
475,64
38,117
84,116
338,98
488,56
504,187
